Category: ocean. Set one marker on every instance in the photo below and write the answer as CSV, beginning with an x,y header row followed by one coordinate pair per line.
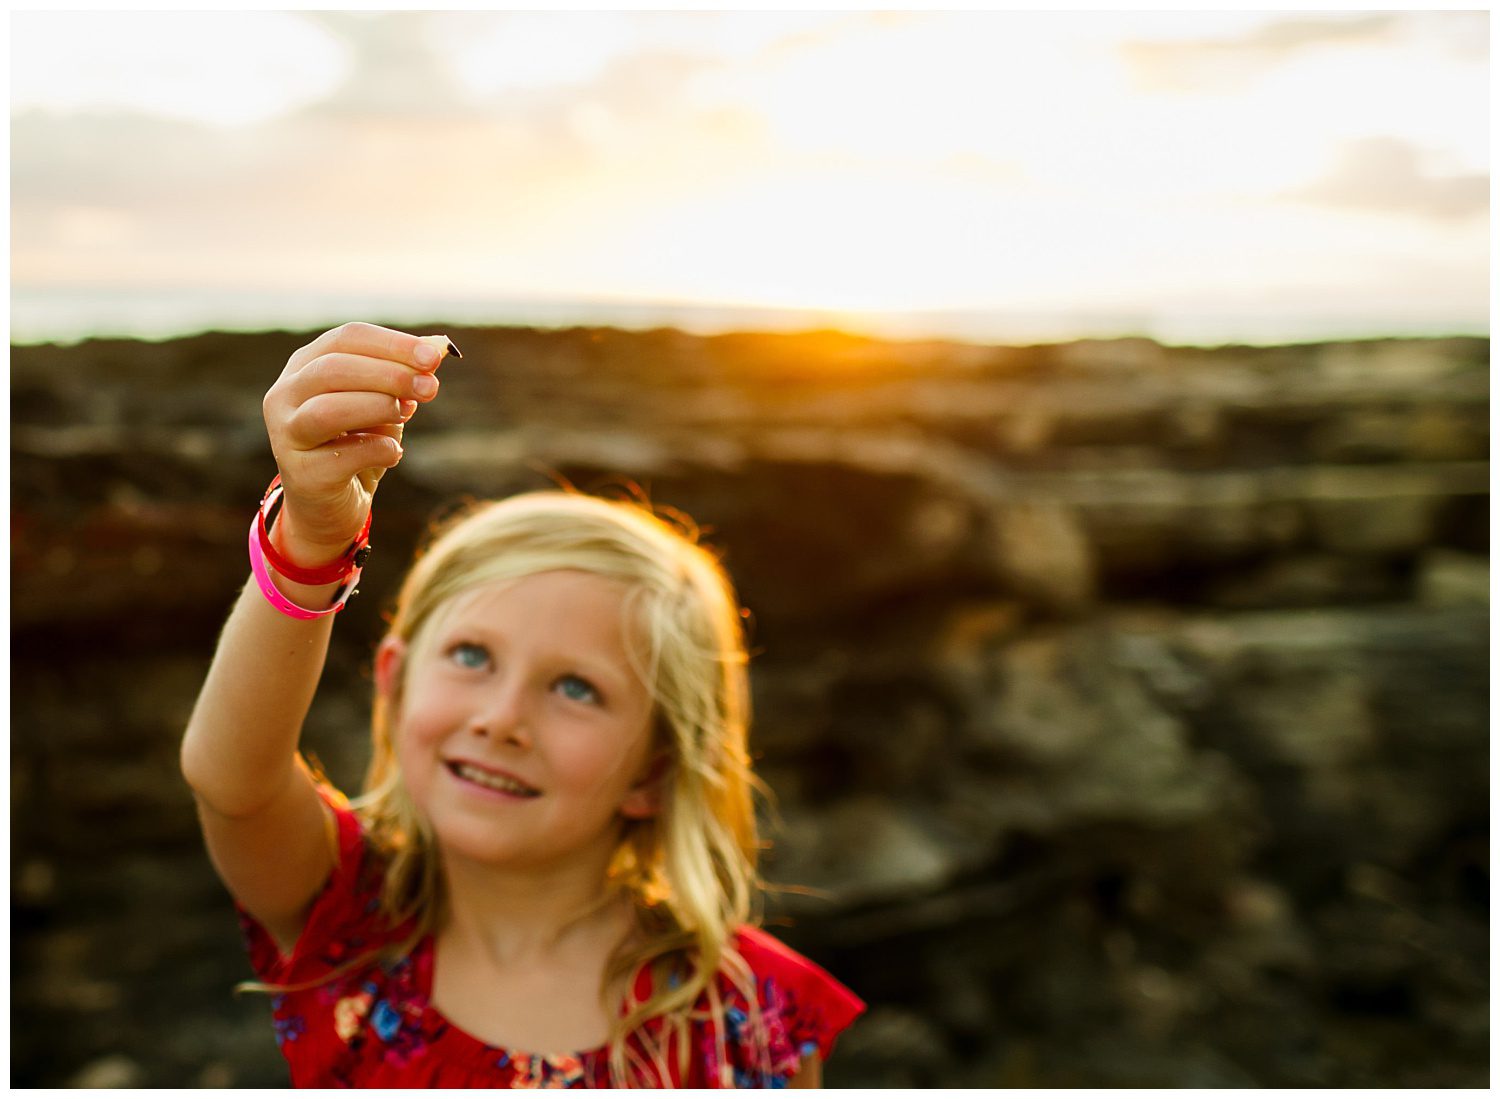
x,y
69,315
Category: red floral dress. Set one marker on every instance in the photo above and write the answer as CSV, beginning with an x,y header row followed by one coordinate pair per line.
x,y
376,1027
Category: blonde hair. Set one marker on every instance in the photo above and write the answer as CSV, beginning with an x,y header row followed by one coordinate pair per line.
x,y
690,871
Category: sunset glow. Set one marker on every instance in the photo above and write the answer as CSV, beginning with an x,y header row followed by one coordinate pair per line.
x,y
1187,175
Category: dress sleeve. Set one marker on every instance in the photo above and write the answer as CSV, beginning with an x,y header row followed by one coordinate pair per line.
x,y
814,1006
343,920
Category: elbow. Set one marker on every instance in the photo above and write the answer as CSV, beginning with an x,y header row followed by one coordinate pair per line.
x,y
187,759
219,784
197,773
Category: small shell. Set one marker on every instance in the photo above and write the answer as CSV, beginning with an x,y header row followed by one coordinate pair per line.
x,y
444,345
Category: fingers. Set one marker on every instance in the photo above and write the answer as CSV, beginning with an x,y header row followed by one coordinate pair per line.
x,y
338,409
341,392
359,338
343,372
370,476
358,454
328,416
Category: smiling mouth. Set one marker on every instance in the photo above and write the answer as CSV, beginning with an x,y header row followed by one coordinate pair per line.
x,y
490,780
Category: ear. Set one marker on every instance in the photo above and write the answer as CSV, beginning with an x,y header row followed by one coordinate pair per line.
x,y
644,799
389,660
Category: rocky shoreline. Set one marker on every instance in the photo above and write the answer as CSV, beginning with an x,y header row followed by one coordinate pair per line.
x,y
1126,706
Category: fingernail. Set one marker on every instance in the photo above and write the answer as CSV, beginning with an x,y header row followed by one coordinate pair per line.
x,y
408,409
428,355
425,385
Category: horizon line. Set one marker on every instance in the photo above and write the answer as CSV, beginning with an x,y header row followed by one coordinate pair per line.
x,y
74,314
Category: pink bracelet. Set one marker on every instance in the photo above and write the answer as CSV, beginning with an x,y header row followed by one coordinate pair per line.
x,y
273,595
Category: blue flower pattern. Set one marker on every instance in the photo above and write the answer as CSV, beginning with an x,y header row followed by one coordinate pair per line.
x,y
290,1029
401,1032
385,1003
386,1020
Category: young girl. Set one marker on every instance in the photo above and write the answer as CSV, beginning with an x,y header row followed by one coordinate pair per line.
x,y
549,877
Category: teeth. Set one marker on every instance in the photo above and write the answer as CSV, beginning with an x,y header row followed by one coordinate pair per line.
x,y
494,782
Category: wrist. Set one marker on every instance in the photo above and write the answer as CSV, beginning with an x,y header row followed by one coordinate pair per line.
x,y
349,559
298,548
290,586
307,554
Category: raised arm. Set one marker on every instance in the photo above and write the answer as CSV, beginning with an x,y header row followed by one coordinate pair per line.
x,y
335,419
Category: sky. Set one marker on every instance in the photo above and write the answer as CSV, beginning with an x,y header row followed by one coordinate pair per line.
x,y
1197,177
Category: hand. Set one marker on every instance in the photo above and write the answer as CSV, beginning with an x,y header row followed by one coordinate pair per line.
x,y
335,418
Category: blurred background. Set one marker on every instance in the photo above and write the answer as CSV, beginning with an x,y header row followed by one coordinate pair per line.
x,y
1092,409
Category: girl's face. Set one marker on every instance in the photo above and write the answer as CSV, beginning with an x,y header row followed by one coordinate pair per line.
x,y
523,734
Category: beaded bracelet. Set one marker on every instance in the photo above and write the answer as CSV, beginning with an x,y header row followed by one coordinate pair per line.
x,y
262,573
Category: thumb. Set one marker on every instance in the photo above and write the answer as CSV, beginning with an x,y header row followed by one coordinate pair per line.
x,y
370,475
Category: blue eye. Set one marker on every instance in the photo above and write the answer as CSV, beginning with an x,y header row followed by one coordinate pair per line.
x,y
469,655
587,686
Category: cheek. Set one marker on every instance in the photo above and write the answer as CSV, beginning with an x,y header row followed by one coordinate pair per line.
x,y
409,753
425,712
418,728
588,761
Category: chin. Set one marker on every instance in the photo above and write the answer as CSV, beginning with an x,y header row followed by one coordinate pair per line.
x,y
476,839
471,841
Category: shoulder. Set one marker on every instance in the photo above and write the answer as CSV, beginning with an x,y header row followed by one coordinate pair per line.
x,y
813,1004
344,919
765,953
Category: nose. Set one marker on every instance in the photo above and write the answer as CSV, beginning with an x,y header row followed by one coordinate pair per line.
x,y
504,714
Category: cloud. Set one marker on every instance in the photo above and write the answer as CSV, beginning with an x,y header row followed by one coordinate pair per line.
x,y
1387,175
537,92
230,68
392,70
1227,63
398,160
681,153
1283,36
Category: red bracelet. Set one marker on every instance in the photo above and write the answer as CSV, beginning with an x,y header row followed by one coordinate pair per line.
x,y
273,594
354,557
